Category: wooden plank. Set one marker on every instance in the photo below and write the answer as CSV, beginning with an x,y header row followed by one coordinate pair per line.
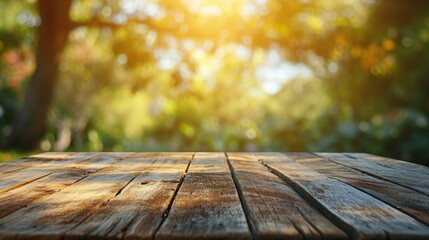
x,y
71,173
399,172
20,164
398,164
404,199
207,204
33,172
275,209
52,216
56,156
137,212
356,212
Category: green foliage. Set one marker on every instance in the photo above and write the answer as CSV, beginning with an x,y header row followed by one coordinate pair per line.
x,y
175,76
16,39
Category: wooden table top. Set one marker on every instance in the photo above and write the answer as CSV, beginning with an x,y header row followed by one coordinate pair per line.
x,y
213,195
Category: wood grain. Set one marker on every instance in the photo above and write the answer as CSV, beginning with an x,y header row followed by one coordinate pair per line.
x,y
399,172
55,182
33,160
356,212
32,171
411,202
55,214
207,204
168,195
276,210
137,211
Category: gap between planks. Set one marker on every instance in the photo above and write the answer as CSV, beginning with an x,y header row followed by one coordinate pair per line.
x,y
167,211
26,162
138,210
236,182
108,200
250,221
273,208
27,192
14,224
383,170
33,171
409,201
355,211
207,205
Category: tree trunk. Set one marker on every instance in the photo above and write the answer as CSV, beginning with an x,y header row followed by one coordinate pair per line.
x,y
30,124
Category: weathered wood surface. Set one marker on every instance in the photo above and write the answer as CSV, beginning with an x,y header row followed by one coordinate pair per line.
x,y
357,212
407,200
18,173
19,164
275,209
207,204
53,182
70,206
137,211
213,195
398,172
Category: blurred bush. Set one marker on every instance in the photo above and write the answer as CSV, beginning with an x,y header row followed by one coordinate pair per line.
x,y
229,76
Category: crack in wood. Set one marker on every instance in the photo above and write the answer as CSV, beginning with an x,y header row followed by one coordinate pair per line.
x,y
372,174
382,200
166,212
352,232
47,192
246,209
272,195
24,183
119,159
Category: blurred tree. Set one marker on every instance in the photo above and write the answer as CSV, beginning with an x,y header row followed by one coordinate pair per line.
x,y
181,74
52,35
30,125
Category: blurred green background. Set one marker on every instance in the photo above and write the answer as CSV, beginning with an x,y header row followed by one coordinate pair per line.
x,y
215,75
